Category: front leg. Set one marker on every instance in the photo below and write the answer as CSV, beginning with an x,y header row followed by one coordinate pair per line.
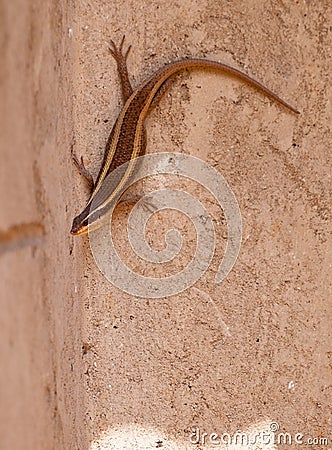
x,y
82,169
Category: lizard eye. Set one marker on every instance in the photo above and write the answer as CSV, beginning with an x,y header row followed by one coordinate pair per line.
x,y
78,225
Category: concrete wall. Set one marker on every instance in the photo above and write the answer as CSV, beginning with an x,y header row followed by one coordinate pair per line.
x,y
85,365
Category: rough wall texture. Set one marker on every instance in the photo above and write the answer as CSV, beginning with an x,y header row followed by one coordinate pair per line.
x,y
41,391
87,366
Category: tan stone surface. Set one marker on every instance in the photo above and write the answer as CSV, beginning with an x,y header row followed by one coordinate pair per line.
x,y
81,360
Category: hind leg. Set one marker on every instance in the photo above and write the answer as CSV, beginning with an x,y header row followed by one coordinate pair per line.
x,y
121,61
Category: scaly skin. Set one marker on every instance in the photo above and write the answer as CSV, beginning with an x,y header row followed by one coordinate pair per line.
x,y
127,139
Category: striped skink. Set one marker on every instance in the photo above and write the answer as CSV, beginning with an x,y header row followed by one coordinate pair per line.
x,y
127,139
